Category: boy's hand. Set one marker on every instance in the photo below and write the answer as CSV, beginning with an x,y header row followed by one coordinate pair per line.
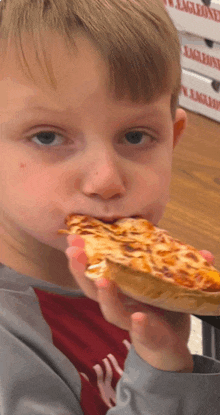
x,y
160,337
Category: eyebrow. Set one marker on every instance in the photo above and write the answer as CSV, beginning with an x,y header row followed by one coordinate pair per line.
x,y
139,116
42,109
154,115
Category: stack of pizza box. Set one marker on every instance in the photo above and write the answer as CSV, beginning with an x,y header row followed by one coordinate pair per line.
x,y
198,25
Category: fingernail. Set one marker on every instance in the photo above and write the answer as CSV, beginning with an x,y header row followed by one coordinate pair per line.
x,y
81,258
208,256
70,239
102,283
137,323
71,251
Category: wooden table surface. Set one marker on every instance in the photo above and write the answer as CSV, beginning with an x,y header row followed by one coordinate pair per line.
x,y
193,213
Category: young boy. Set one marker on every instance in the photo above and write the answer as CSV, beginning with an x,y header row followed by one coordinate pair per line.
x,y
81,146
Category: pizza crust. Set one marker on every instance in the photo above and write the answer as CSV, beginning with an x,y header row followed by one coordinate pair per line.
x,y
149,289
148,264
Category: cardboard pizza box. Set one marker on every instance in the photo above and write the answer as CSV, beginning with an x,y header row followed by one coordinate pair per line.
x,y
199,17
200,94
200,55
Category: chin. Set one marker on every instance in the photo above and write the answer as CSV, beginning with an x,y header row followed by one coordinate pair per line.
x,y
62,244
58,242
157,217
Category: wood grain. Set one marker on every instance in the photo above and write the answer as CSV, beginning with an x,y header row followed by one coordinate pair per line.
x,y
193,213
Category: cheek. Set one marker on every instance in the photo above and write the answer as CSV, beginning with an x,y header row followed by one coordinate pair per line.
x,y
34,183
164,178
27,187
164,168
157,176
30,200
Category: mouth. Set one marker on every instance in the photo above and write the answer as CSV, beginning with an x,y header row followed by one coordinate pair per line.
x,y
109,219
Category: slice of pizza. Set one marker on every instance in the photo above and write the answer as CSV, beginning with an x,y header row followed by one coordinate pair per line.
x,y
148,264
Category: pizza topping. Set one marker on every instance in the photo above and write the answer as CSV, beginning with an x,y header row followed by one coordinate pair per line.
x,y
142,246
169,261
129,248
182,272
214,275
112,238
183,280
188,266
140,263
86,233
192,256
162,253
167,273
148,249
198,277
114,226
162,240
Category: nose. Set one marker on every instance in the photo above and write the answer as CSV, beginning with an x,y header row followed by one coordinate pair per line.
x,y
104,177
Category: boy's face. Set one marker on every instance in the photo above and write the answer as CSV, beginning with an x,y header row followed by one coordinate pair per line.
x,y
90,162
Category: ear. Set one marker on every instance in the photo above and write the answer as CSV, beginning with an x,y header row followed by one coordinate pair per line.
x,y
179,126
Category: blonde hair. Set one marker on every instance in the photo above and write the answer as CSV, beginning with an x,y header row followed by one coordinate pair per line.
x,y
137,38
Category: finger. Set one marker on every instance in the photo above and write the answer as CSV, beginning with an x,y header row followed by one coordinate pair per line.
x,y
75,240
112,308
208,256
77,260
157,345
149,330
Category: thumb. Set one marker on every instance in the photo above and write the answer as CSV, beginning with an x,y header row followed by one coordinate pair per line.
x,y
149,331
208,256
77,260
159,346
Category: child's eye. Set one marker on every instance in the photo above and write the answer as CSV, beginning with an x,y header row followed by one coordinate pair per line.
x,y
134,137
46,138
